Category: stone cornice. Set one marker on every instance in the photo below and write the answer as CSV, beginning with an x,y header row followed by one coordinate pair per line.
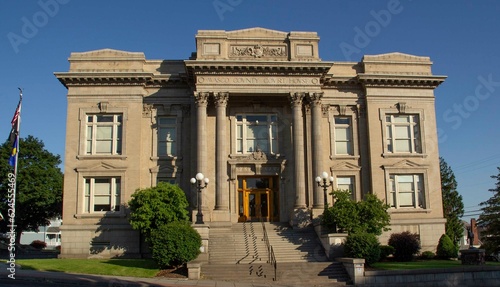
x,y
402,81
118,79
255,68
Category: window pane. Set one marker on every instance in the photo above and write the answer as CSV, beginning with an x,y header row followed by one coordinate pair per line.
x,y
401,119
257,132
341,134
104,132
102,186
406,199
239,146
239,131
342,120
105,118
402,145
167,121
101,200
342,147
255,118
239,118
402,132
103,147
261,145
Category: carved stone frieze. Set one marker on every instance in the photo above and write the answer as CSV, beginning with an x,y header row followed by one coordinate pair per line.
x,y
258,51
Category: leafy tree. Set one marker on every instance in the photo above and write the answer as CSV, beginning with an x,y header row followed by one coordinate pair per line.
x,y
156,206
490,219
369,215
39,185
453,206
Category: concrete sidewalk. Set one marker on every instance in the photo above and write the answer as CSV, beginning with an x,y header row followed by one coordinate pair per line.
x,y
72,279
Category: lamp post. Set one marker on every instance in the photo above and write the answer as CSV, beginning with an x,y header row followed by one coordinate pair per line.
x,y
197,181
321,181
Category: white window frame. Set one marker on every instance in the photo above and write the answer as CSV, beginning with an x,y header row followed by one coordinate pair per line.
x,y
90,196
418,149
91,140
272,138
411,125
173,141
350,112
349,132
417,192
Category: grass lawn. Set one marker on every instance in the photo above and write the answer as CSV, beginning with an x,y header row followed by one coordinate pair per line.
x,y
422,264
116,267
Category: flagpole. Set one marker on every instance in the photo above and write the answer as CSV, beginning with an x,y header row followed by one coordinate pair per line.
x,y
11,263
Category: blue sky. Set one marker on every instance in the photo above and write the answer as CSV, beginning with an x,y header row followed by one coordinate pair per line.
x,y
460,37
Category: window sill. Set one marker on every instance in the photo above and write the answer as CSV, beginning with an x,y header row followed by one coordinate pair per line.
x,y
409,210
166,157
101,157
116,214
344,156
403,155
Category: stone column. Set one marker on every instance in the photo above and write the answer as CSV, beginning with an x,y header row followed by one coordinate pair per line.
x,y
221,185
298,150
317,157
201,100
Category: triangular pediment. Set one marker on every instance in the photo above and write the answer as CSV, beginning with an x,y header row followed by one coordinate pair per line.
x,y
256,32
396,57
344,165
101,166
404,164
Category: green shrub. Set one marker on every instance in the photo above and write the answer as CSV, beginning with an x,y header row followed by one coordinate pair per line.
x,y
156,206
174,244
426,255
385,251
446,249
38,244
362,245
406,244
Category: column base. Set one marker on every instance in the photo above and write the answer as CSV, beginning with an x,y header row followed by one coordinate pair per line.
x,y
300,218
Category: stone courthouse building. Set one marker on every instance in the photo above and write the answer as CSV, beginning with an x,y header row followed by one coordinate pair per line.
x,y
261,115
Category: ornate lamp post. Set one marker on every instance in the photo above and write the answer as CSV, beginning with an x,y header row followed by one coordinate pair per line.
x,y
197,181
321,181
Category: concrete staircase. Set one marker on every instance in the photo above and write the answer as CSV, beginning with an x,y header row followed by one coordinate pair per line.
x,y
239,253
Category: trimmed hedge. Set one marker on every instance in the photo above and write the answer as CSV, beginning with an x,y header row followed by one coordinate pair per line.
x,y
174,244
363,245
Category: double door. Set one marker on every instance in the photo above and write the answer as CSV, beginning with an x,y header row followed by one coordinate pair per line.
x,y
258,199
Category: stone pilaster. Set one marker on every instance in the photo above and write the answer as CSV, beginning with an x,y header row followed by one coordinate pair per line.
x,y
317,157
298,150
221,186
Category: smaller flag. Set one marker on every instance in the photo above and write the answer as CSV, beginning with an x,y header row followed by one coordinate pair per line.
x,y
13,155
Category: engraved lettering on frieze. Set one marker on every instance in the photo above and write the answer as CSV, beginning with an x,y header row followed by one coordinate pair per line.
x,y
257,80
258,51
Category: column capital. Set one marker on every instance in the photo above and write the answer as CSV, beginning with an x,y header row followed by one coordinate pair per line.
x,y
296,99
315,98
221,99
201,98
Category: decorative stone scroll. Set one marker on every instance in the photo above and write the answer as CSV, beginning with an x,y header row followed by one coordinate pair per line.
x,y
258,51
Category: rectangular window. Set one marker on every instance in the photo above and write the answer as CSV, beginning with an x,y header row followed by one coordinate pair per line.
x,y
403,134
406,191
346,183
104,134
343,136
256,133
102,194
167,136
